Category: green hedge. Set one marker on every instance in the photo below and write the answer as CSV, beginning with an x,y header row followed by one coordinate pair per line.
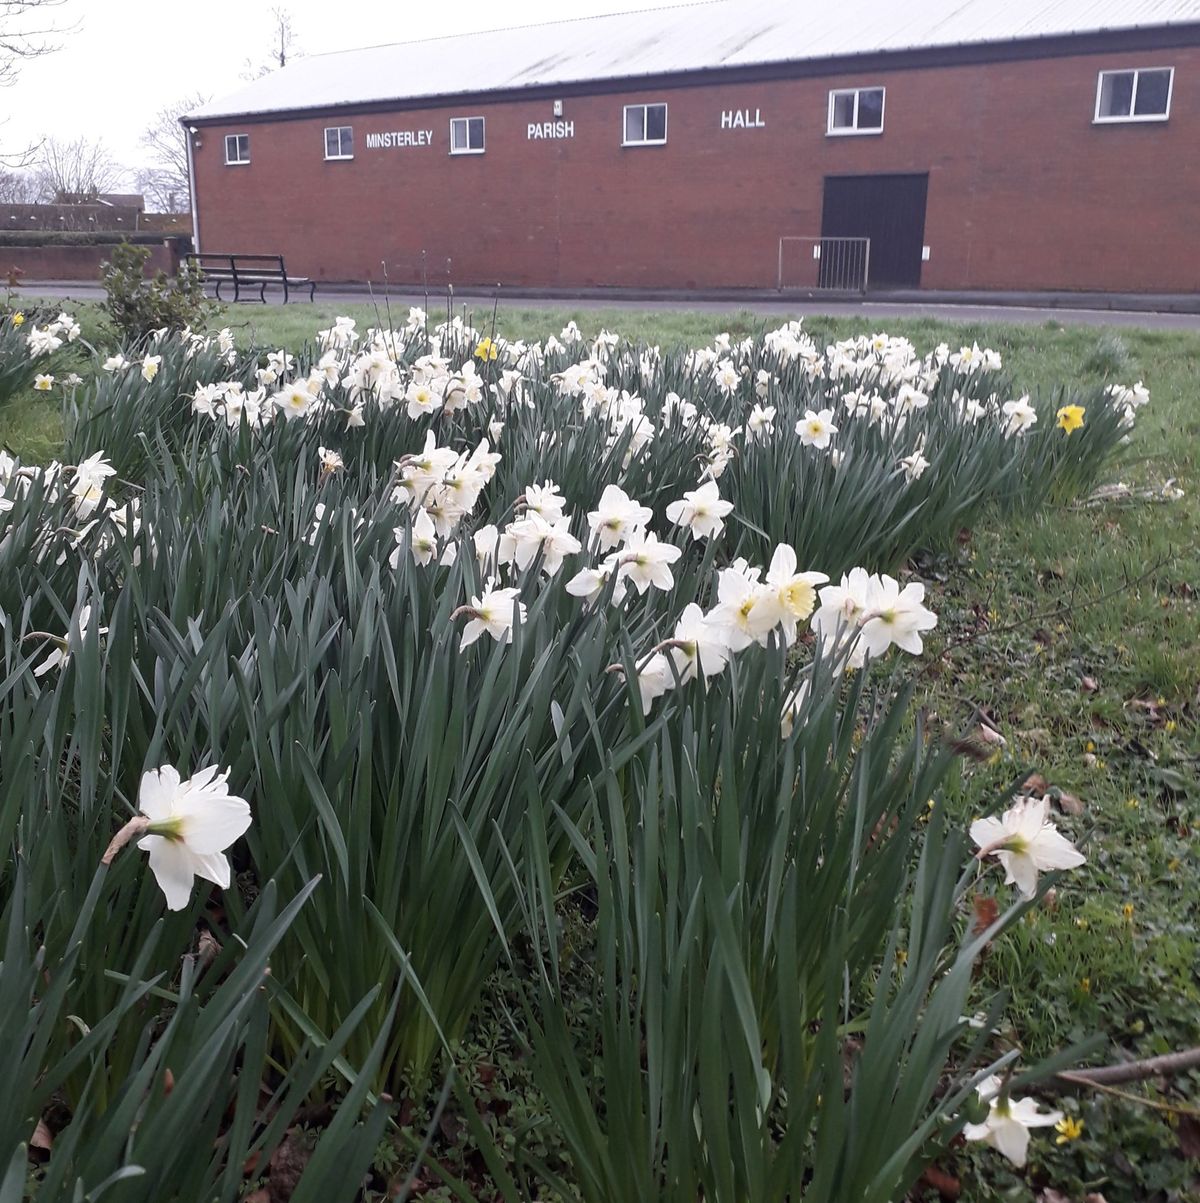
x,y
89,238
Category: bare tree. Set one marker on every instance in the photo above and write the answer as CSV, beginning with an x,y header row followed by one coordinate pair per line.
x,y
25,27
77,171
284,46
18,187
164,191
164,182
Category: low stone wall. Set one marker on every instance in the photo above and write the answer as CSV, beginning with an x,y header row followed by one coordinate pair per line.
x,y
74,262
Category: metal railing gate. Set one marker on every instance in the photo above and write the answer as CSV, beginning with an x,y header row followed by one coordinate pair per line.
x,y
824,264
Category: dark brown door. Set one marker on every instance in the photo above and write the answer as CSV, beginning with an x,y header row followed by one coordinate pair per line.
x,y
887,209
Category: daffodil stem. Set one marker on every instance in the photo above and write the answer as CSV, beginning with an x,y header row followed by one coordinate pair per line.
x,y
134,827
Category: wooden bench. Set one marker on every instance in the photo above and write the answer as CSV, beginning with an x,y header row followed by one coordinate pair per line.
x,y
250,272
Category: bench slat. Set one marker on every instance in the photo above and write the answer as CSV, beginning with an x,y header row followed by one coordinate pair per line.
x,y
254,271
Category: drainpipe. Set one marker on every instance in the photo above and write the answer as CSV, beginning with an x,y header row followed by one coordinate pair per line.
x,y
192,190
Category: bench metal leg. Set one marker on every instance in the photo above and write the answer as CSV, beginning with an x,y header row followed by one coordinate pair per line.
x,y
312,292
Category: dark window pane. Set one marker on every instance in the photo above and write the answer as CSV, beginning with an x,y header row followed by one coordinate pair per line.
x,y
656,123
843,110
331,143
476,133
1152,91
635,117
347,140
1116,94
870,108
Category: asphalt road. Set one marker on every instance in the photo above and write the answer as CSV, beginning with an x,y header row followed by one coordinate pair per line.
x,y
882,311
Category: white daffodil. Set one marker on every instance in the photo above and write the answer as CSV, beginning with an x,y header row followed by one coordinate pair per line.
x,y
617,518
699,645
790,598
654,679
761,421
645,562
1025,842
294,400
422,542
191,823
1008,1122
62,646
895,616
1021,416
914,465
492,612
331,461
545,500
816,429
702,511
150,366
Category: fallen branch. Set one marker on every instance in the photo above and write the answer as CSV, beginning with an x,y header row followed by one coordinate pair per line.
x,y
1135,1071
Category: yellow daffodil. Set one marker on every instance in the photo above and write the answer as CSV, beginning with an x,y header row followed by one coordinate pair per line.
x,y
1068,1129
487,351
1070,417
18,319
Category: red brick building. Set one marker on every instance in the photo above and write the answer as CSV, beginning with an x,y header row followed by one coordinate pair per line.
x,y
1034,144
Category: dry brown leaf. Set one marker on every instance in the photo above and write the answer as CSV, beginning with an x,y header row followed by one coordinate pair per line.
x,y
987,911
1189,1136
42,1137
287,1166
990,735
1089,685
945,1184
1067,803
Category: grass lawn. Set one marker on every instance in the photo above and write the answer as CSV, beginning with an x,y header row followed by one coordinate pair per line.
x,y
1077,636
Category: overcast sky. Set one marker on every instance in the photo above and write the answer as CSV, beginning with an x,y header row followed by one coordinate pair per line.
x,y
122,60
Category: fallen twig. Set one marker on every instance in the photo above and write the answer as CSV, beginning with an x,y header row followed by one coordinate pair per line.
x,y
1136,1071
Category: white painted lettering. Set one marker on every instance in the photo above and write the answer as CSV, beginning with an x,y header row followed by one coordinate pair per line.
x,y
537,130
742,119
394,139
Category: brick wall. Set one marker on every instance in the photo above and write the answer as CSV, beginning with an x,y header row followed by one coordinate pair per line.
x,y
73,262
1024,190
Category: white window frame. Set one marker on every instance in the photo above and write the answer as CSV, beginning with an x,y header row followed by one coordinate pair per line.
x,y
236,139
1133,117
468,149
852,131
330,129
644,141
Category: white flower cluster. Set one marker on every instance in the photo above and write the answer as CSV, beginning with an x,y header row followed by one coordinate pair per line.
x,y
45,340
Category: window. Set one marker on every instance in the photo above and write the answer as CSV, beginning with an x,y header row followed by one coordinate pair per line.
x,y
1143,95
645,125
856,111
339,142
237,149
466,136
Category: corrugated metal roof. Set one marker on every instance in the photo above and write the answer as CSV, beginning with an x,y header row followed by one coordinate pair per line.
x,y
689,37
